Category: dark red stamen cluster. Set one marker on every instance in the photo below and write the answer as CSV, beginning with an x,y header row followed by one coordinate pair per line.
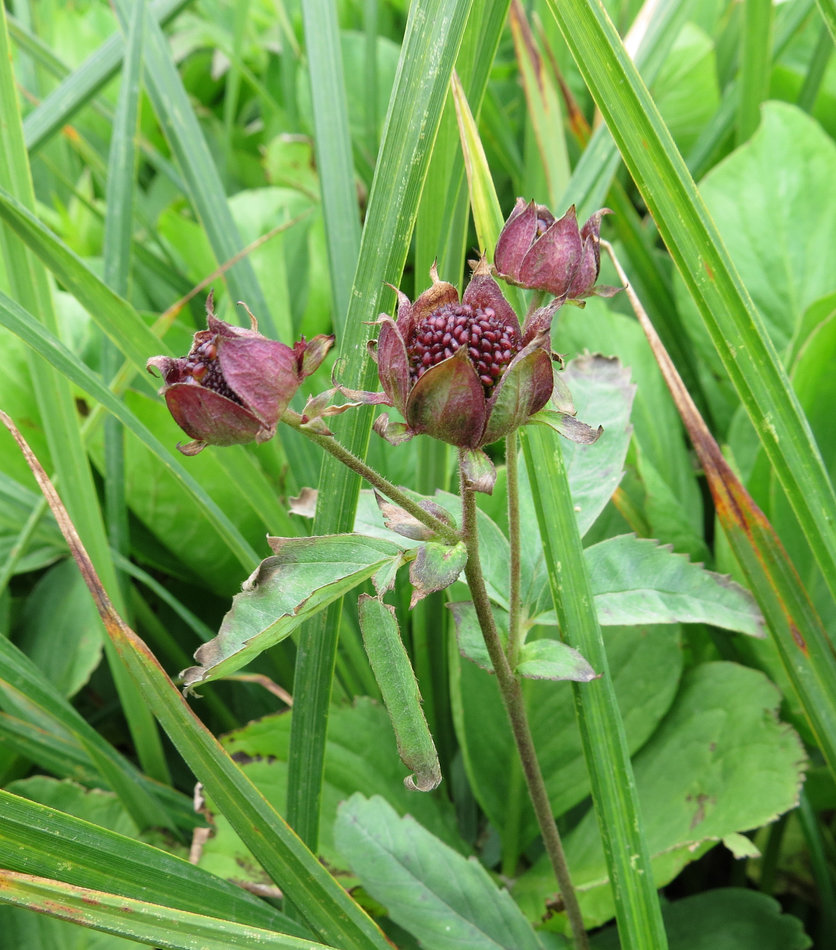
x,y
490,345
203,368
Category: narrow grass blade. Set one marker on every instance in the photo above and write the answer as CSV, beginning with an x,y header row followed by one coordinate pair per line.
x,y
141,921
25,694
29,283
37,839
326,907
206,192
334,160
593,174
602,730
827,8
755,65
544,110
735,326
117,263
433,34
83,83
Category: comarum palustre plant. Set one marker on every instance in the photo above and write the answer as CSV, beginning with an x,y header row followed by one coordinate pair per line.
x,y
462,370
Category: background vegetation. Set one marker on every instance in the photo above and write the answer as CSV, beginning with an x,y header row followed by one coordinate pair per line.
x,y
300,157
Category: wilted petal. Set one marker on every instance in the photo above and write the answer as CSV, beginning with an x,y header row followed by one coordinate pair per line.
x,y
448,402
261,372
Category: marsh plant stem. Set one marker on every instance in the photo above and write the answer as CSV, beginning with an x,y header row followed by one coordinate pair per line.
x,y
514,572
375,479
510,689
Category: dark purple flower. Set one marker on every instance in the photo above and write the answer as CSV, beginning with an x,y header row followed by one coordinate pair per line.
x,y
235,384
537,251
462,370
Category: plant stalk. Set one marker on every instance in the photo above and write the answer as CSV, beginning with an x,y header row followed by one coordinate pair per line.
x,y
514,572
375,479
512,697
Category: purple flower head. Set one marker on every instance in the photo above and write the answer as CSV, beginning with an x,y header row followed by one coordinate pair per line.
x,y
462,371
538,251
234,384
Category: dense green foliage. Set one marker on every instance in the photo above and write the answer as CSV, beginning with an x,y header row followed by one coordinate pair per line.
x,y
305,157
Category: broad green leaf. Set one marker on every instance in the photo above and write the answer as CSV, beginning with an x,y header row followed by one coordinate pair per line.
x,y
141,921
724,918
721,762
635,580
766,199
673,503
360,756
542,659
399,689
603,395
303,577
60,629
443,899
686,88
646,663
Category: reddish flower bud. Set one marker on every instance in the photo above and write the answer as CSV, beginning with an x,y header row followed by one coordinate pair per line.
x,y
537,251
235,384
461,370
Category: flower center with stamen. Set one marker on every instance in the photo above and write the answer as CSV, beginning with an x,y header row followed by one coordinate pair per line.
x,y
204,369
490,345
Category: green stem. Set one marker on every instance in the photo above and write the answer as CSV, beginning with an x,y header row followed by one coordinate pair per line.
x,y
511,691
375,479
514,604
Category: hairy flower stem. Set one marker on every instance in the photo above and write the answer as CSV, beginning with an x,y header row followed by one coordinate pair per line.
x,y
375,479
511,468
512,697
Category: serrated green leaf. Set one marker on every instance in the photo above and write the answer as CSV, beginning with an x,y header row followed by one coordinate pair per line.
x,y
635,580
553,660
721,762
303,577
436,567
646,663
